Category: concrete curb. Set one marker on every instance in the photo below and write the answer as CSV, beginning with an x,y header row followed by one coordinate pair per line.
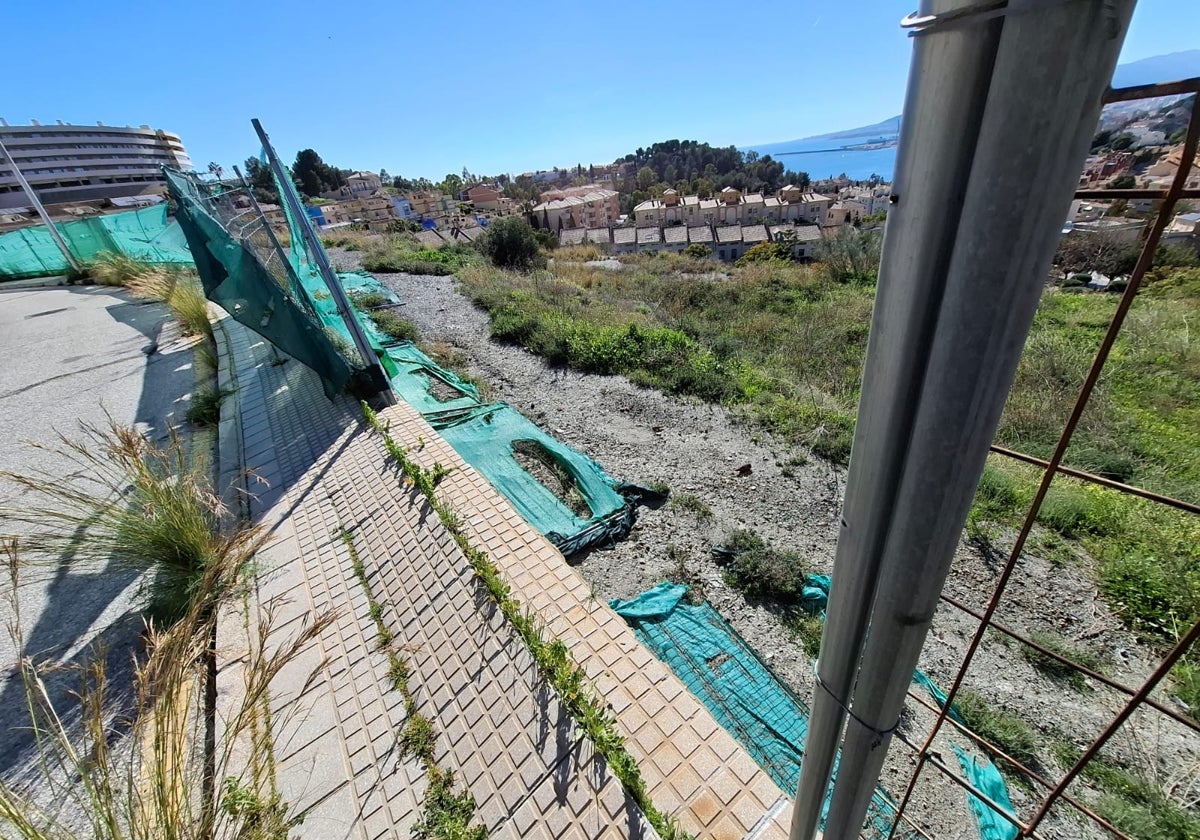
x,y
231,477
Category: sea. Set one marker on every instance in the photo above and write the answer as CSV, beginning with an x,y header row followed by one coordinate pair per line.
x,y
828,158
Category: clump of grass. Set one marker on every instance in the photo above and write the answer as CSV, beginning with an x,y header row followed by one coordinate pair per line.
x,y
550,472
1074,510
417,738
177,287
370,300
1005,730
140,505
1131,801
447,815
755,568
807,628
111,269
680,571
206,406
396,327
1056,670
693,504
149,507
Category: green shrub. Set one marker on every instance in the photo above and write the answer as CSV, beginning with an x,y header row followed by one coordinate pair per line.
x,y
395,326
693,504
698,251
755,568
511,243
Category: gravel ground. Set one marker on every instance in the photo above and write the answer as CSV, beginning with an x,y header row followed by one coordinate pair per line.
x,y
793,500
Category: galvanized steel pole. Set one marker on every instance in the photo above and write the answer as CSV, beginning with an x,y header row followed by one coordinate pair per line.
x,y
41,211
943,109
1043,80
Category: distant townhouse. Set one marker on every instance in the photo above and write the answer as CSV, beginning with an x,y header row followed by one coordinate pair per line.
x,y
731,207
727,242
374,211
873,199
596,208
1164,170
488,200
847,212
1098,168
358,185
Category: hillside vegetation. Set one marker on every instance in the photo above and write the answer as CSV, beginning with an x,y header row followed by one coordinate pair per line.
x,y
782,345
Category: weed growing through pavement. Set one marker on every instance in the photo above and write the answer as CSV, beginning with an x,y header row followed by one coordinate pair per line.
x,y
446,815
553,659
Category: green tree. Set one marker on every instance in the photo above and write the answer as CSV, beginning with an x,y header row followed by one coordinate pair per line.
x,y
646,178
1121,142
451,185
698,251
314,176
262,183
511,243
1123,182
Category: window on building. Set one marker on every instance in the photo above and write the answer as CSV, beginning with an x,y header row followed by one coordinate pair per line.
x,y
722,253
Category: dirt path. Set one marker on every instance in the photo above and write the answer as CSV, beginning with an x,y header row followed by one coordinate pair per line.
x,y
641,435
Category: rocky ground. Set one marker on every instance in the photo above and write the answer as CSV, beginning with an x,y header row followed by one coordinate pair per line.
x,y
792,500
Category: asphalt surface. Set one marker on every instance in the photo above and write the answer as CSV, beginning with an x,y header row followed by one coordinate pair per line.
x,y
67,356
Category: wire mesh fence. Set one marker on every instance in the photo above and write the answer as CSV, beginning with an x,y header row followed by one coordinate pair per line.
x,y
1069,796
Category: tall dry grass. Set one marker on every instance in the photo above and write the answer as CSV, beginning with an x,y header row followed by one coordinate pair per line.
x,y
157,775
179,288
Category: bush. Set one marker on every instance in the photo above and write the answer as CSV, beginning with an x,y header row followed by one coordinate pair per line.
x,y
511,243
755,568
698,251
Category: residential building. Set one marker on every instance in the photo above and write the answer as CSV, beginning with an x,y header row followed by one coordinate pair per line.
x,y
1099,168
847,212
374,211
568,192
1164,170
731,207
873,199
483,196
1184,229
597,208
358,185
65,163
1121,230
728,242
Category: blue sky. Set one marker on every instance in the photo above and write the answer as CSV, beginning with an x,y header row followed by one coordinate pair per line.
x,y
425,89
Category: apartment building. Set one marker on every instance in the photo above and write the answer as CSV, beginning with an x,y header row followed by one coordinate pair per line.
x,y
65,163
596,208
731,207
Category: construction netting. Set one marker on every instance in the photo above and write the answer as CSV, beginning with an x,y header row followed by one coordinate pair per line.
x,y
740,690
283,295
763,714
240,271
146,234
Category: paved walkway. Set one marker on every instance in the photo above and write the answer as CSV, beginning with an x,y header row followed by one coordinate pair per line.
x,y
501,728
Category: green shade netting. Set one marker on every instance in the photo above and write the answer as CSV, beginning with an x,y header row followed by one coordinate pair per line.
x,y
762,713
980,772
234,278
146,234
485,438
742,693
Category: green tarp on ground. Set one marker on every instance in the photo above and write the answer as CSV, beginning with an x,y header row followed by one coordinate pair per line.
x,y
762,713
742,693
146,234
